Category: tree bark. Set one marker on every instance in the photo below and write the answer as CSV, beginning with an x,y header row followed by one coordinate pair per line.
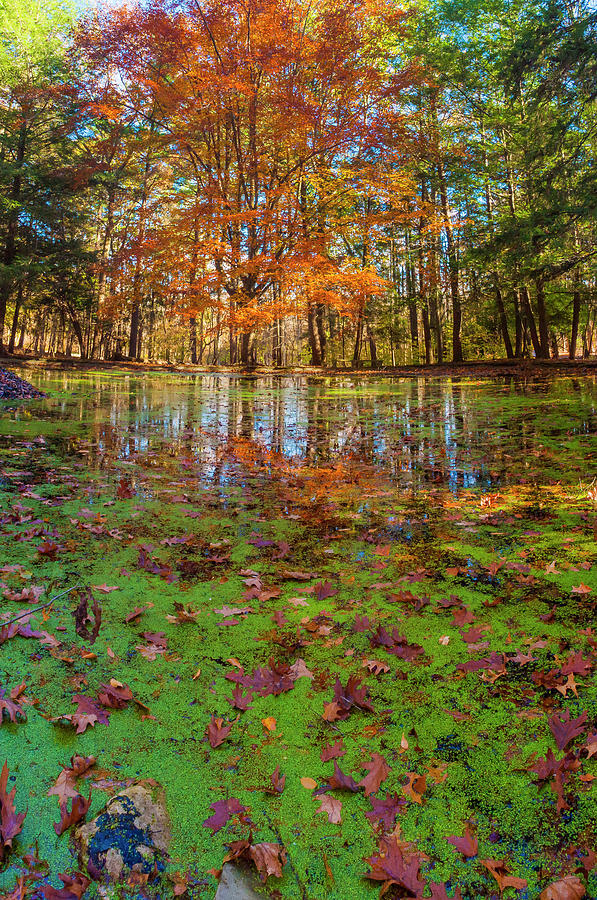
x,y
313,342
15,319
11,230
542,317
503,319
193,339
575,321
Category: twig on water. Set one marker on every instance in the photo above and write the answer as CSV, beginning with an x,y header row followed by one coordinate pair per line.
x,y
30,612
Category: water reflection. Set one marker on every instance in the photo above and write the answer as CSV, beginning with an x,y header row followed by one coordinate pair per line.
x,y
456,434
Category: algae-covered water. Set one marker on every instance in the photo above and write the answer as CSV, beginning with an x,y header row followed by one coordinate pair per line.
x,y
260,521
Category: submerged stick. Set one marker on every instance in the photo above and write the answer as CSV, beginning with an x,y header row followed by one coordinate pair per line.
x,y
30,612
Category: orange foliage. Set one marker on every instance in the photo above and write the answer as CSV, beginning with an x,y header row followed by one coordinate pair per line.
x,y
273,122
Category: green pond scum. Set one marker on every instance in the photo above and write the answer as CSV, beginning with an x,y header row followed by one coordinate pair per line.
x,y
431,539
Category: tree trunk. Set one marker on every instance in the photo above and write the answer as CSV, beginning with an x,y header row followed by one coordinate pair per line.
x,y
575,321
451,248
372,348
530,320
412,304
356,355
11,230
193,339
517,326
542,317
503,319
134,330
245,346
313,342
426,335
319,311
15,320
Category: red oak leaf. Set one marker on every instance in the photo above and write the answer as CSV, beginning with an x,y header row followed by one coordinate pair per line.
x,y
115,695
339,781
88,713
468,845
239,700
74,888
323,590
332,808
269,859
568,888
11,822
499,870
378,771
385,810
438,892
391,867
217,732
64,787
333,751
78,810
278,781
11,704
565,729
223,812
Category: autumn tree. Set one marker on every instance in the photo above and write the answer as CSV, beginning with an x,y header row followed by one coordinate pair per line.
x,y
268,111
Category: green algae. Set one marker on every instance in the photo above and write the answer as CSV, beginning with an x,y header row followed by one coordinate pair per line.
x,y
174,437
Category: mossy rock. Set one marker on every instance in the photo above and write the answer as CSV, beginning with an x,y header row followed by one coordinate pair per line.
x,y
130,835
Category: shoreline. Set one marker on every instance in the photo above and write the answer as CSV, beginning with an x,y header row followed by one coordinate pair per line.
x,y
477,368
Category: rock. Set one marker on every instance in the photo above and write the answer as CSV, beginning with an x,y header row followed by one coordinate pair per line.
x,y
237,884
130,836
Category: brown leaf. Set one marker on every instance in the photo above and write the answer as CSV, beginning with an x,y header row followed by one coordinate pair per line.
x,y
375,667
11,822
332,808
391,867
416,786
468,845
309,783
217,732
268,858
499,869
565,729
115,695
12,704
568,888
278,781
78,810
332,751
74,888
378,771
64,787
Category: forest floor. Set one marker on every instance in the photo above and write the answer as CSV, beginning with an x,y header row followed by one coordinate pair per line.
x,y
346,680
476,368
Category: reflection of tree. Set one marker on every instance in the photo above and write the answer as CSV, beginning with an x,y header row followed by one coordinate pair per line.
x,y
417,431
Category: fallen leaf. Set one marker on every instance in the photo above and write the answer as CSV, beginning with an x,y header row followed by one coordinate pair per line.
x,y
217,732
499,870
74,887
223,812
332,808
378,771
11,822
308,783
78,810
468,845
568,888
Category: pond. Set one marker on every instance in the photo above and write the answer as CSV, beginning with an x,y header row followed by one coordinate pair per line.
x,y
347,622
454,433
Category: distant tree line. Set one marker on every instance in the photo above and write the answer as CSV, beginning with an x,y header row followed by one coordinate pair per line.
x,y
284,182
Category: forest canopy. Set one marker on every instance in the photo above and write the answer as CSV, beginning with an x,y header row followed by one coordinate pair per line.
x,y
287,182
